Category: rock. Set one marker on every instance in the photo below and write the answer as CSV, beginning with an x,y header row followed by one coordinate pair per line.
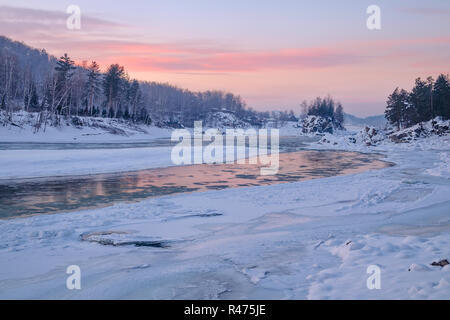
x,y
409,134
441,263
371,136
440,129
76,122
316,124
422,130
226,119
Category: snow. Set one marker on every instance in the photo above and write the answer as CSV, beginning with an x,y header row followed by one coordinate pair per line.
x,y
75,158
290,128
95,130
31,163
35,161
313,124
222,120
442,166
304,240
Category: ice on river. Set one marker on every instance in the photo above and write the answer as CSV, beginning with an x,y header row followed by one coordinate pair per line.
x,y
303,240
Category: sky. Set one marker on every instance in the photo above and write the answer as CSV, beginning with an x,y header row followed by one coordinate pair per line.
x,y
275,54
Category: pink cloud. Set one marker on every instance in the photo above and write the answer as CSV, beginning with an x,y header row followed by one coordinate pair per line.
x,y
238,61
108,42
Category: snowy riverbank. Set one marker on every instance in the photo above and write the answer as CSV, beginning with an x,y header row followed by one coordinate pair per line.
x,y
21,128
312,239
68,150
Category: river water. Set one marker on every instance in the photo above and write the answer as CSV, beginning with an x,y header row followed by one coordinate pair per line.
x,y
70,193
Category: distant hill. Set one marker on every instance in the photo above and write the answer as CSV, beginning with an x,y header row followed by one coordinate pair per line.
x,y
373,121
37,62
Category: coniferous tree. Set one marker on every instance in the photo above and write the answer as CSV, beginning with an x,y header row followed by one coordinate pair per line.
x,y
427,99
396,106
441,96
64,68
134,99
339,116
92,86
112,83
421,100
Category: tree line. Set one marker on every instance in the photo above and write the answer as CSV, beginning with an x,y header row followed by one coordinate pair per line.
x,y
428,99
326,108
34,81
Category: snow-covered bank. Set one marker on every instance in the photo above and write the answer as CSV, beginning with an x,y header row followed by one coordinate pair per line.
x,y
34,162
21,128
312,239
88,150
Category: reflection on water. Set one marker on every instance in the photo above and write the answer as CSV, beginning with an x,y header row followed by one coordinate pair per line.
x,y
50,195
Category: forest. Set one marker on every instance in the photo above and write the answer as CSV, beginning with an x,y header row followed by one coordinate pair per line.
x,y
428,99
34,81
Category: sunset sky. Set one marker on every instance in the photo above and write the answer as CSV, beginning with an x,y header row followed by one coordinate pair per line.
x,y
273,53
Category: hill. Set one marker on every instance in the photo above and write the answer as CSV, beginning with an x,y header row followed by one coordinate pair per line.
x,y
378,121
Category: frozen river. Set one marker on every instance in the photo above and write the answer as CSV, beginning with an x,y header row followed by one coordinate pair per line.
x,y
57,194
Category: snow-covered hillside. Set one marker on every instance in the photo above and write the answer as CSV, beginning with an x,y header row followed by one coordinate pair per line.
x,y
378,122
